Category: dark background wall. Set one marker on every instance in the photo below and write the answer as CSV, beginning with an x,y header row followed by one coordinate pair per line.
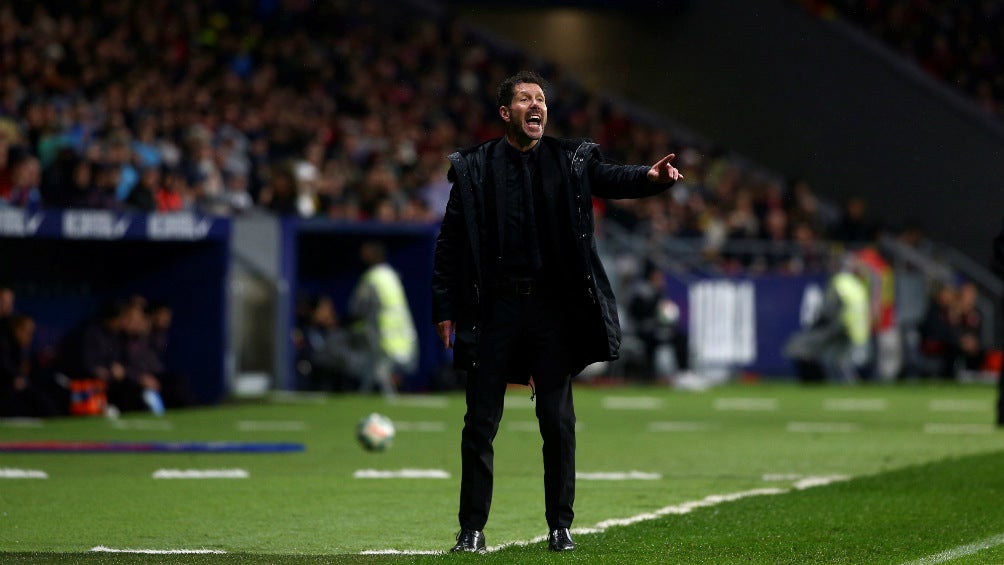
x,y
792,93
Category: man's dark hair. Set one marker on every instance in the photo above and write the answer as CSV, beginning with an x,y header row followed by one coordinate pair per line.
x,y
506,87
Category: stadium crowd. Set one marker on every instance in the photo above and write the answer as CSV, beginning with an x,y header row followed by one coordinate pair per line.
x,y
333,109
960,43
340,110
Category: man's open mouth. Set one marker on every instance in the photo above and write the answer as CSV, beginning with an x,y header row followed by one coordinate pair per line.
x,y
534,120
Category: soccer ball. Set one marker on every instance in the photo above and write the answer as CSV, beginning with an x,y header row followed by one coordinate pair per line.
x,y
375,432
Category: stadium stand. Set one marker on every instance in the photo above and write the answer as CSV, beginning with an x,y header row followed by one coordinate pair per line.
x,y
957,42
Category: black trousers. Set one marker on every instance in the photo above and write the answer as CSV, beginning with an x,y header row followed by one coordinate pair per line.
x,y
521,334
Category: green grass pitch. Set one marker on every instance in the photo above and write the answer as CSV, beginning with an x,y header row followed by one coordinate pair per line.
x,y
911,473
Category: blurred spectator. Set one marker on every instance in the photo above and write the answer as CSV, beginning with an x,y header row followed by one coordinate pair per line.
x,y
329,356
281,193
936,331
379,309
951,331
834,346
20,395
6,304
143,196
655,320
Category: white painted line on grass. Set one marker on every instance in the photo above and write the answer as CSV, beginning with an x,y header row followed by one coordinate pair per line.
x,y
271,426
201,474
802,482
143,425
401,474
293,397
810,482
960,551
401,552
519,402
420,426
676,509
420,401
749,404
22,423
632,403
22,474
855,404
678,426
959,405
823,427
958,429
618,476
103,549
532,426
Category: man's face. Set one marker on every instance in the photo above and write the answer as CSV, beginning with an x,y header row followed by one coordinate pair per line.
x,y
526,114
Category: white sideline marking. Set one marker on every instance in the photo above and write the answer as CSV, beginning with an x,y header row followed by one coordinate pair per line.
x,y
201,474
420,401
823,427
618,476
271,426
957,405
810,482
103,549
632,403
958,429
22,423
401,474
856,404
22,474
801,482
293,397
420,426
533,426
678,426
519,402
960,551
752,404
143,425
676,509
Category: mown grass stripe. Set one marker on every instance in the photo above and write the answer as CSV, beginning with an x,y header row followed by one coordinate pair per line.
x,y
960,551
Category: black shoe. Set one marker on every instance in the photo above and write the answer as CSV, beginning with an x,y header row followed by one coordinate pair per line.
x,y
470,540
560,540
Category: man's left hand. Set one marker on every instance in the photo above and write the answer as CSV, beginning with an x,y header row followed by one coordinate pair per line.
x,y
663,172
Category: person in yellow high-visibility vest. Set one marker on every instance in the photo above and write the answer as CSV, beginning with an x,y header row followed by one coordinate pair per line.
x,y
379,307
837,343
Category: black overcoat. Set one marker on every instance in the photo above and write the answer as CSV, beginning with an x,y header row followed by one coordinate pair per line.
x,y
458,280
